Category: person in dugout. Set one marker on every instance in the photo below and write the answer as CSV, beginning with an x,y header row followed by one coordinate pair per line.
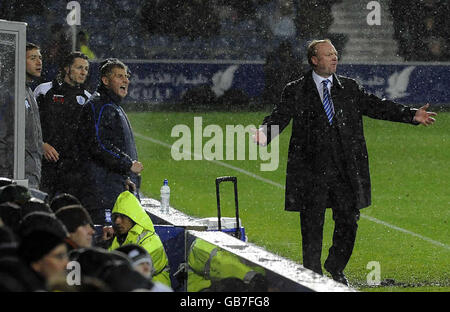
x,y
132,225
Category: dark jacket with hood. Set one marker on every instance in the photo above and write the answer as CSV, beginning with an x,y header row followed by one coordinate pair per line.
x,y
107,151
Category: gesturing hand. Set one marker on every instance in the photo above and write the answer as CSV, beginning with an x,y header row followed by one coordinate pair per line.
x,y
424,117
137,167
259,137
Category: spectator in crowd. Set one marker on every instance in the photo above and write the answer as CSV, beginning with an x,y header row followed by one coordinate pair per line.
x,y
11,214
62,200
132,225
193,19
281,20
112,268
79,226
314,18
6,181
422,29
14,193
33,131
142,263
60,103
281,67
42,247
56,49
83,39
15,276
327,135
198,19
108,154
35,204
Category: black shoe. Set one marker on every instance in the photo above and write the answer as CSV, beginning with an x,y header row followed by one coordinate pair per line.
x,y
340,278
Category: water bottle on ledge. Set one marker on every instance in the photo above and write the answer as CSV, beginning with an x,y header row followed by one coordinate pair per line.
x,y
165,196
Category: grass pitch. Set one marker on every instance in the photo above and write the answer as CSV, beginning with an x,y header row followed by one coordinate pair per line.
x,y
405,232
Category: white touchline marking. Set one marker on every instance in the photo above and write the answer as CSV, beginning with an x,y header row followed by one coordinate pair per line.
x,y
257,177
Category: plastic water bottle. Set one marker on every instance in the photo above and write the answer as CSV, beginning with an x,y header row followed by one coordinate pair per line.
x,y
165,196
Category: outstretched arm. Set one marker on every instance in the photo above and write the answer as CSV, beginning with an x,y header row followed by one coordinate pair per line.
x,y
423,117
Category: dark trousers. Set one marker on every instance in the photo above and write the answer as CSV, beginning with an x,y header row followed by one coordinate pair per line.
x,y
337,195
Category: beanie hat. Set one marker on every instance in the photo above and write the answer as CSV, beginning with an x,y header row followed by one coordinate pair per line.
x,y
74,216
42,221
35,204
137,254
14,193
37,244
63,199
6,181
94,260
39,232
10,214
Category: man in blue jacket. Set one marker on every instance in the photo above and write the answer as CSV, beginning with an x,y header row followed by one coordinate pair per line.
x,y
108,155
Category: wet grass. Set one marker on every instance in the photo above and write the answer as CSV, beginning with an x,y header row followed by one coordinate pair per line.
x,y
410,190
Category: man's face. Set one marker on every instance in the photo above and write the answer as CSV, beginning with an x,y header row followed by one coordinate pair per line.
x,y
83,235
325,60
121,223
117,81
34,63
76,73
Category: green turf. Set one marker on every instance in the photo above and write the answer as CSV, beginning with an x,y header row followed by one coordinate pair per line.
x,y
410,190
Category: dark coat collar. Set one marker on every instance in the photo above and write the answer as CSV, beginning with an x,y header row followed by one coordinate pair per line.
x,y
108,95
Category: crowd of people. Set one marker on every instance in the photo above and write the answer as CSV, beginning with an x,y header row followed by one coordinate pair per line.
x,y
225,28
422,29
82,200
39,239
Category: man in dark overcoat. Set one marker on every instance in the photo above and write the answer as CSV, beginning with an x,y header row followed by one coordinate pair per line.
x,y
328,162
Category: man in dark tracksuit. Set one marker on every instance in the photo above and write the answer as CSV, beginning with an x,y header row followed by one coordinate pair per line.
x,y
60,102
108,155
328,162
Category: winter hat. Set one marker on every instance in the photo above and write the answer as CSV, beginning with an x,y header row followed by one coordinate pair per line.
x,y
74,216
94,260
35,204
14,193
38,244
137,254
6,181
10,214
8,243
63,199
39,233
42,221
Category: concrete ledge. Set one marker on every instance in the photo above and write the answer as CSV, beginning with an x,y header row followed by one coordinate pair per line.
x,y
282,274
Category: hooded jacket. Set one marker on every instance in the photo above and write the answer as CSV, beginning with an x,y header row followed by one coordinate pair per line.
x,y
142,234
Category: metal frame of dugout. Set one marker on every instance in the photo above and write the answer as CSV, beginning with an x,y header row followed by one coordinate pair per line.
x,y
178,230
12,91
